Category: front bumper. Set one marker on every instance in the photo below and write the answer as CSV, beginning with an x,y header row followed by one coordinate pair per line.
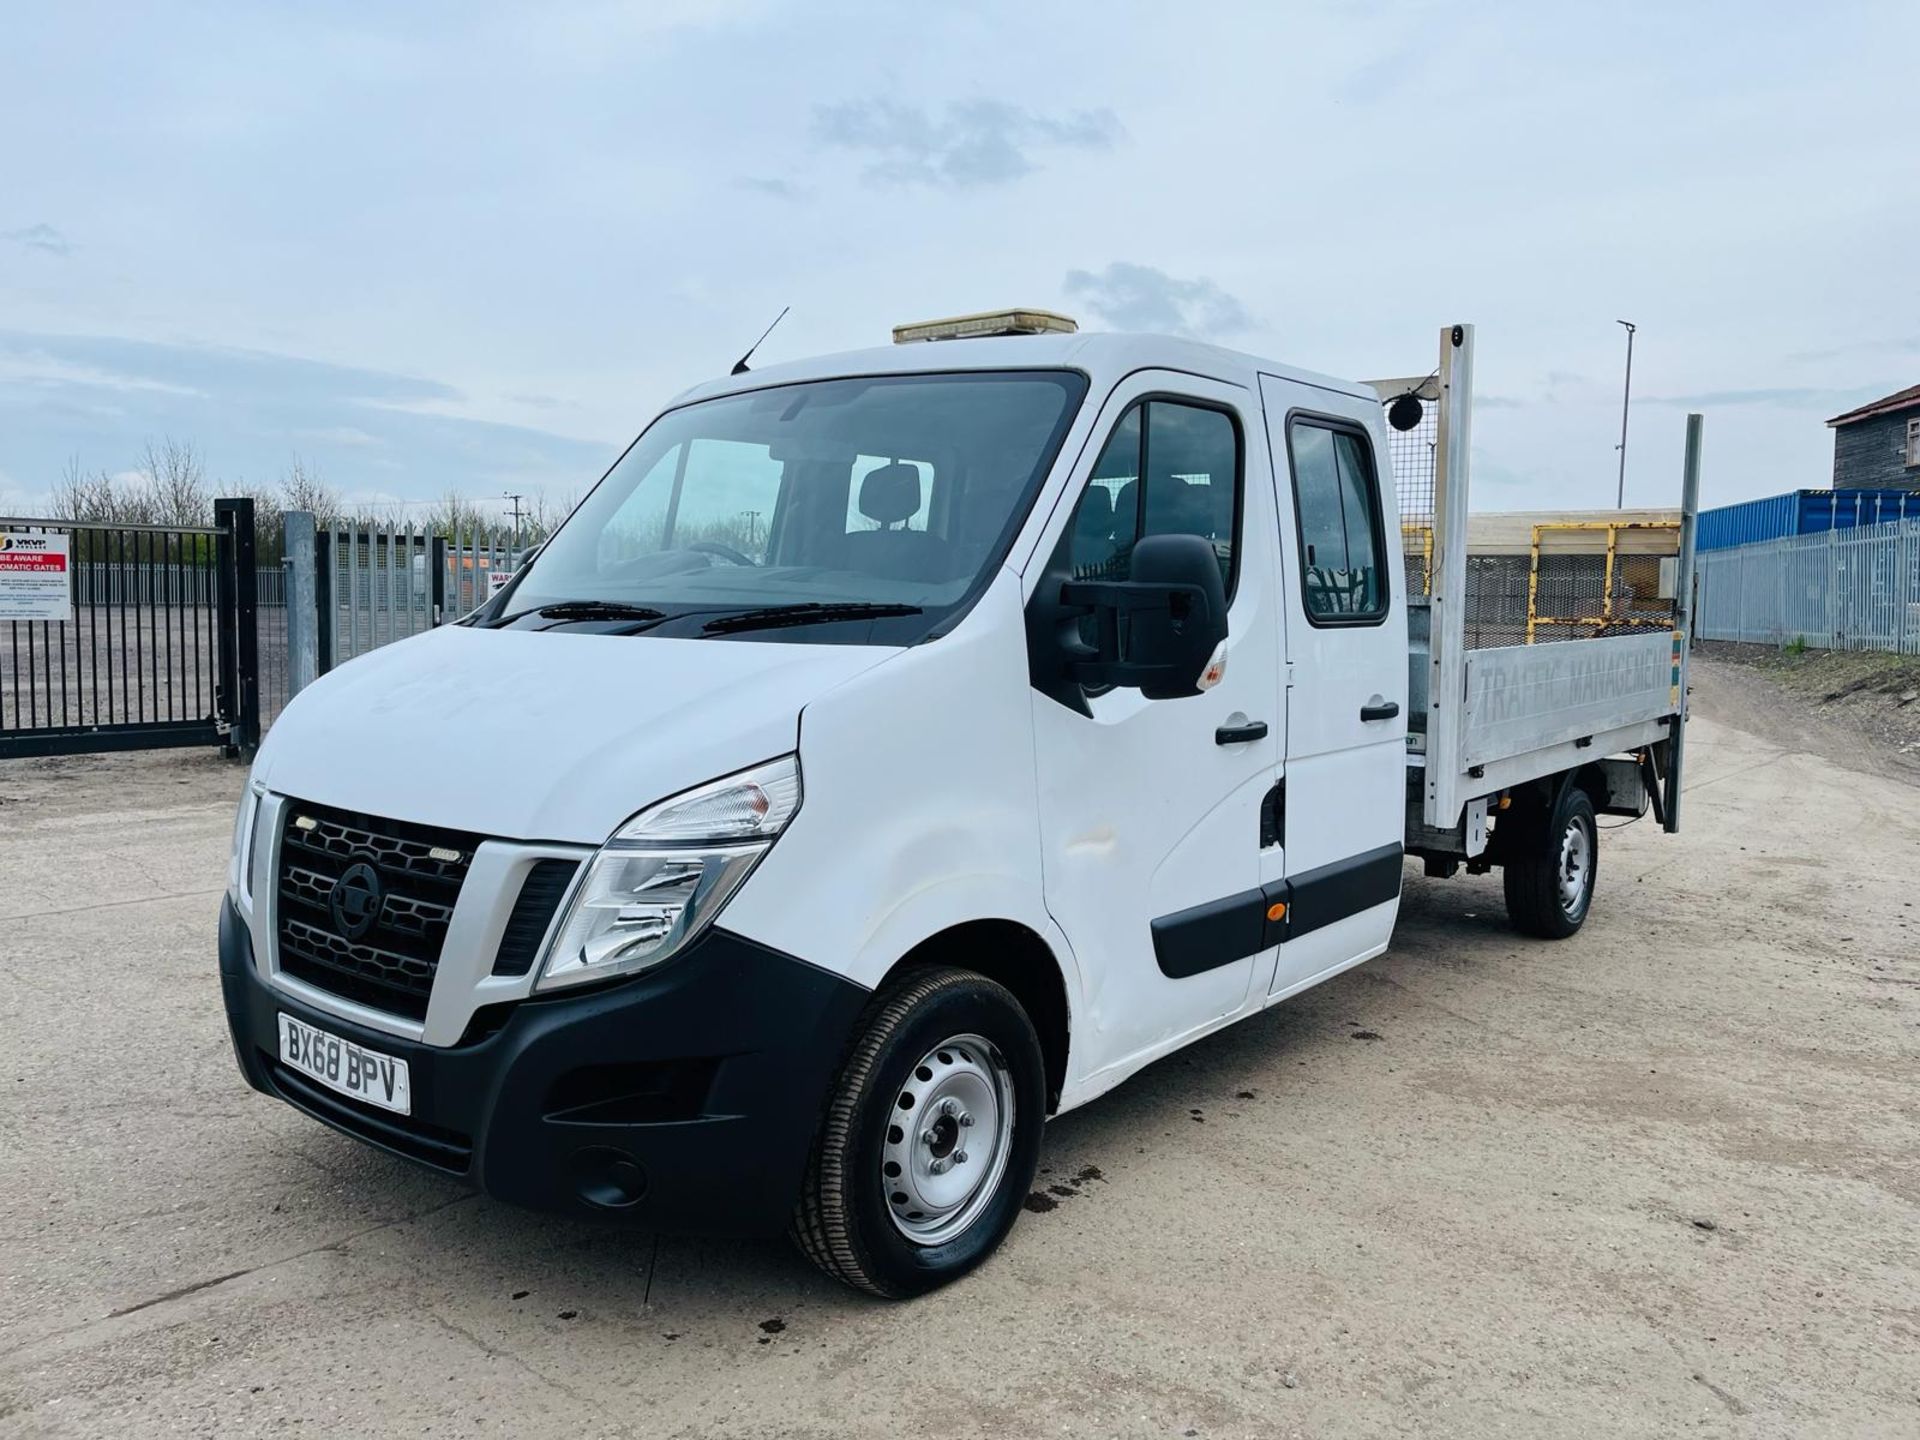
x,y
682,1100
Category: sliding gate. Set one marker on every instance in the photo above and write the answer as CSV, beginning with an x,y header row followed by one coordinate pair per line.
x,y
128,637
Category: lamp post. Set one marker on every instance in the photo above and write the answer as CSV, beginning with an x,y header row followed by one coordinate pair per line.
x,y
1626,395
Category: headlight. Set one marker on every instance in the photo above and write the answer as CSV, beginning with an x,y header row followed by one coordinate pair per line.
x,y
240,856
665,874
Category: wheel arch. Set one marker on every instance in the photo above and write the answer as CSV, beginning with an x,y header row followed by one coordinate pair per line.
x,y
1010,954
1535,800
1592,779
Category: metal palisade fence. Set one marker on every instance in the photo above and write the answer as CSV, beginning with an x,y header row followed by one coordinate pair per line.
x,y
373,586
1849,589
133,636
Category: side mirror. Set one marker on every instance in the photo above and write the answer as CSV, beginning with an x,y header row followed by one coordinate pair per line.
x,y
1158,629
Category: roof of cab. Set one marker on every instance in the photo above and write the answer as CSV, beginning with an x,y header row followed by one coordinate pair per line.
x,y
1105,358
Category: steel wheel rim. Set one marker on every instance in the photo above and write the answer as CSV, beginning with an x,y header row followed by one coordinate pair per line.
x,y
1576,868
949,1136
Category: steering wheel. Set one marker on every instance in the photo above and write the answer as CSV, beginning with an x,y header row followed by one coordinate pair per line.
x,y
725,552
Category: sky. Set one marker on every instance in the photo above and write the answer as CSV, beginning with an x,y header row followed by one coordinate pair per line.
x,y
465,247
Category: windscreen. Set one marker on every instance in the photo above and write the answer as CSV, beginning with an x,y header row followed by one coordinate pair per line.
x,y
898,491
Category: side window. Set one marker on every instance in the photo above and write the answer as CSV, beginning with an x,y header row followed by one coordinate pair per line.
x,y
1168,469
1337,501
1100,540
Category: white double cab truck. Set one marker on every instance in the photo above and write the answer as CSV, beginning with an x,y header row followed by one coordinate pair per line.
x,y
896,749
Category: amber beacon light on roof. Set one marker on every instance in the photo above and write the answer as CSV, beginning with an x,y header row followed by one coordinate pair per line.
x,y
987,323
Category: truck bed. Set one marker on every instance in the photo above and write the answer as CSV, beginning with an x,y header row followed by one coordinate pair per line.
x,y
1598,598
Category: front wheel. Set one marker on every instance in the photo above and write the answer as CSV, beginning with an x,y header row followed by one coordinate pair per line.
x,y
1550,878
930,1138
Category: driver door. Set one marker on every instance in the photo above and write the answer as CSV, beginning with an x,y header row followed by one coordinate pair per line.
x,y
1150,810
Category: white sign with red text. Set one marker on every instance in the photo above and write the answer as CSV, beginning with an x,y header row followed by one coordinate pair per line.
x,y
34,578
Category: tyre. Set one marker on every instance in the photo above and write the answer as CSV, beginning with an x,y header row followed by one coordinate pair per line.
x,y
1550,874
930,1137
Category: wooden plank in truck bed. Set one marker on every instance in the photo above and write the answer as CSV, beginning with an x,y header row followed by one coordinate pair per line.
x,y
1526,698
1639,532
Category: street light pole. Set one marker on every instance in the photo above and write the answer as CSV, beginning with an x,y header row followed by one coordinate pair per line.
x,y
1626,396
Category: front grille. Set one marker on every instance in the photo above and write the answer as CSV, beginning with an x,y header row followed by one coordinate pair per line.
x,y
420,870
540,896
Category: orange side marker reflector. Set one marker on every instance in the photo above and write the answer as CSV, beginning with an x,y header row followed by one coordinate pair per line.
x,y
1276,912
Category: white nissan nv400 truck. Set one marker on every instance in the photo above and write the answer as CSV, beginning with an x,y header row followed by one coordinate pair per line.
x,y
893,750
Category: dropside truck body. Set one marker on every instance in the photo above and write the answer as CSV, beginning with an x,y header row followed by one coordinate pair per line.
x,y
1593,694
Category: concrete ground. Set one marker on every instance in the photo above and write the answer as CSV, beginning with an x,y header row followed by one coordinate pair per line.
x,y
1661,1178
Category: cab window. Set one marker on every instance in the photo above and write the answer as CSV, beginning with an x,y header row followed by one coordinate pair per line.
x,y
1168,468
1336,494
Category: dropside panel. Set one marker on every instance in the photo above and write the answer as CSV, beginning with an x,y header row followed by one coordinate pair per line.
x,y
1522,698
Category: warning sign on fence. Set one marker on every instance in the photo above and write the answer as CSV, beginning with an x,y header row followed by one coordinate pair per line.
x,y
33,578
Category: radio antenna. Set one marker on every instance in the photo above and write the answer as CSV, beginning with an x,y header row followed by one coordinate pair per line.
x,y
740,365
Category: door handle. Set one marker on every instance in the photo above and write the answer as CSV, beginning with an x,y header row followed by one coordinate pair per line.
x,y
1380,712
1240,734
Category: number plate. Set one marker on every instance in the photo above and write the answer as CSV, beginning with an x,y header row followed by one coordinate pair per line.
x,y
344,1066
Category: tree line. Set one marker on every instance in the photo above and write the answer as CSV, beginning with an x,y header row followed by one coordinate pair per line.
x,y
169,486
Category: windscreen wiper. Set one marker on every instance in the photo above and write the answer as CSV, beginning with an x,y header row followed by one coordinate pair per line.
x,y
584,610
805,612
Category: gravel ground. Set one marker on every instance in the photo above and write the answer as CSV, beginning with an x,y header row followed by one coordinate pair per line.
x,y
1830,699
1659,1178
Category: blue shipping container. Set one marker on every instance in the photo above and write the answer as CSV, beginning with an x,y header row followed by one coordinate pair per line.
x,y
1801,512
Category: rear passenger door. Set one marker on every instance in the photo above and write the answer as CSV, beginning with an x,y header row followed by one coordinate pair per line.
x,y
1344,769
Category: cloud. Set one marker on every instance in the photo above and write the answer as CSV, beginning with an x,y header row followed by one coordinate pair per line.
x,y
772,186
250,412
349,435
27,365
1384,76
972,144
1859,347
1489,471
1795,397
204,370
43,237
1139,297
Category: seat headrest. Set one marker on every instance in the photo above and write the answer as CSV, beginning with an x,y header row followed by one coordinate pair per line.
x,y
1177,507
891,493
1096,511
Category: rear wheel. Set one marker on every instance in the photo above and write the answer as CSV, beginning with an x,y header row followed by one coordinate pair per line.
x,y
930,1138
1550,874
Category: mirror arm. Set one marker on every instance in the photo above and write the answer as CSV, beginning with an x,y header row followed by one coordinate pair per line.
x,y
1107,600
1115,596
